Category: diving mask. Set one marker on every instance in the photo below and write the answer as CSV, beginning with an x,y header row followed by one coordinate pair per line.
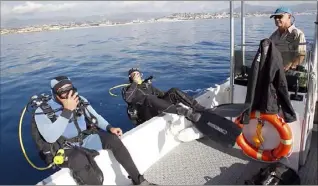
x,y
63,92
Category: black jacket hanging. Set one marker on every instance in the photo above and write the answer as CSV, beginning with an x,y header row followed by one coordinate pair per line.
x,y
267,89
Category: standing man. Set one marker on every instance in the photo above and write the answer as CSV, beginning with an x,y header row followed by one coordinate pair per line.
x,y
288,39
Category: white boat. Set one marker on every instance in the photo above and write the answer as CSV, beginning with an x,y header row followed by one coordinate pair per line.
x,y
168,151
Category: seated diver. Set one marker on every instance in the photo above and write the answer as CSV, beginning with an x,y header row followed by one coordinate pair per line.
x,y
73,127
153,101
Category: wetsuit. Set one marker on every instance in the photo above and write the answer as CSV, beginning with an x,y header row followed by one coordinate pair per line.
x,y
157,101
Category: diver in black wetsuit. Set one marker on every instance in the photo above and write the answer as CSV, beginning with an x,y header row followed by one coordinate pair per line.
x,y
153,101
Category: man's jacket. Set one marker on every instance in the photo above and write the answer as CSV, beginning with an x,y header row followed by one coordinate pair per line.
x,y
267,88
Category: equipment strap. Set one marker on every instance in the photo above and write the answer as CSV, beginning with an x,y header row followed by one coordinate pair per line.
x,y
47,110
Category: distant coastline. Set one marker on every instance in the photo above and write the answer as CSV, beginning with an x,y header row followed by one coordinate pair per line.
x,y
170,18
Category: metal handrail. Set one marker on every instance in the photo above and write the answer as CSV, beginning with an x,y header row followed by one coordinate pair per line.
x,y
243,31
306,129
232,52
309,43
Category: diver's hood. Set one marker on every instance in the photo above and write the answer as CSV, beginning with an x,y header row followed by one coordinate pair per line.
x,y
57,83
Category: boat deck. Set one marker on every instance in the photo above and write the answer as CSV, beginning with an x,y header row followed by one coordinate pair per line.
x,y
204,162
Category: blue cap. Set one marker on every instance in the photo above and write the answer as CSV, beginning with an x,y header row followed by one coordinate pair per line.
x,y
280,11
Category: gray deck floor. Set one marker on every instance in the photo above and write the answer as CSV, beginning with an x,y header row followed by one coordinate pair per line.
x,y
203,162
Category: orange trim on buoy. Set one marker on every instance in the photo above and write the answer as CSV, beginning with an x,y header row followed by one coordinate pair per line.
x,y
275,154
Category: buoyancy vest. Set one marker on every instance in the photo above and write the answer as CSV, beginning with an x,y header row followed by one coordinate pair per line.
x,y
76,130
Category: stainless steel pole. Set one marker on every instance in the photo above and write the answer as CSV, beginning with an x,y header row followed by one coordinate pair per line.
x,y
232,52
315,57
311,102
243,31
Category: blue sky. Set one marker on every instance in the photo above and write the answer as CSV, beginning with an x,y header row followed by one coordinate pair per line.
x,y
38,9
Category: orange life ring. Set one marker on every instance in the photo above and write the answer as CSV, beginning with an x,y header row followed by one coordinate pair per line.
x,y
275,154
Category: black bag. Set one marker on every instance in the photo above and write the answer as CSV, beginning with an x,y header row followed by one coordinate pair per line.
x,y
83,167
275,174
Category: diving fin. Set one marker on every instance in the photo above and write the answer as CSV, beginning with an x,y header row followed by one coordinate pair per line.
x,y
218,128
230,110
